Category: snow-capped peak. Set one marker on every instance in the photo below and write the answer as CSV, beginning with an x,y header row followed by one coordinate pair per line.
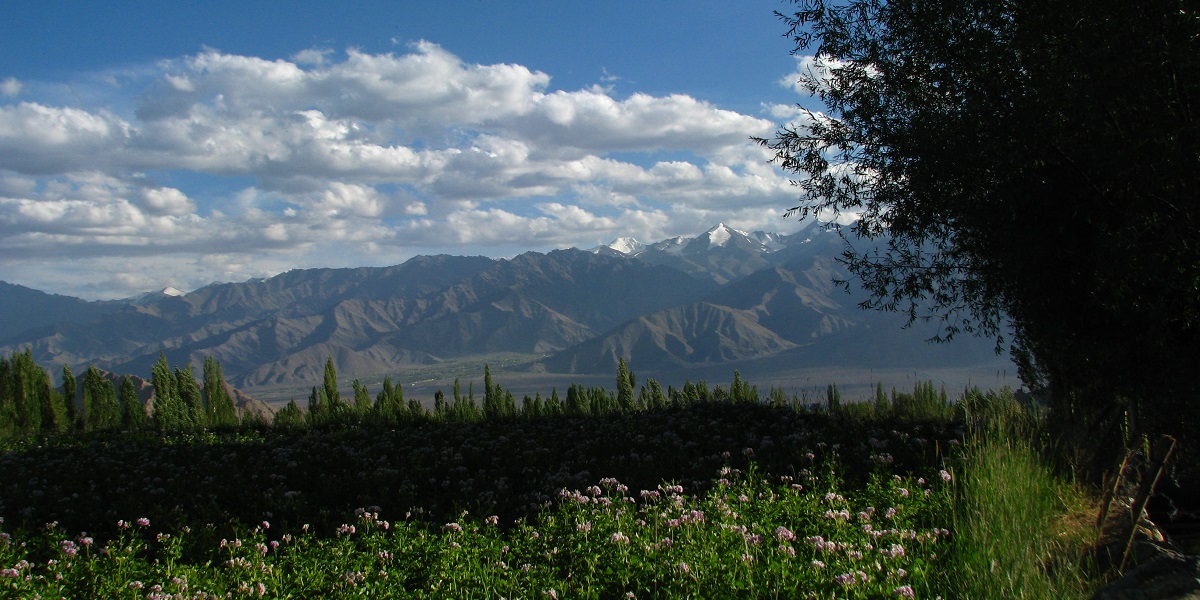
x,y
719,235
626,245
622,245
170,291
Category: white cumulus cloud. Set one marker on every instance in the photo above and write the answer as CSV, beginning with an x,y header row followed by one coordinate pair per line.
x,y
339,157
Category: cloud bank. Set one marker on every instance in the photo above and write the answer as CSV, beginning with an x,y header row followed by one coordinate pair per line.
x,y
224,167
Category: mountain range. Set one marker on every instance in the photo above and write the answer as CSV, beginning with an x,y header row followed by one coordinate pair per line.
x,y
722,297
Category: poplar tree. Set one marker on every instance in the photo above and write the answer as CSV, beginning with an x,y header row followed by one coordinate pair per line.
x,y
362,401
531,408
28,401
289,417
8,409
493,406
652,396
218,405
416,410
389,403
70,387
833,397
330,386
509,407
624,387
318,407
54,410
470,408
100,397
553,405
440,410
133,414
26,393
169,411
575,405
191,398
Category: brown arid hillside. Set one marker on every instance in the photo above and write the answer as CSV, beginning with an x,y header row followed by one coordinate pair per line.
x,y
724,297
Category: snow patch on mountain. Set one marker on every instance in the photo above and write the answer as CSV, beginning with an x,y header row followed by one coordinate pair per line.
x,y
152,297
719,235
673,245
771,242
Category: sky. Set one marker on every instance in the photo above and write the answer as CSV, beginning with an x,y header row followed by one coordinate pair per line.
x,y
153,144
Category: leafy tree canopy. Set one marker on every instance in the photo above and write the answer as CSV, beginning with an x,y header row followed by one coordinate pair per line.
x,y
1018,162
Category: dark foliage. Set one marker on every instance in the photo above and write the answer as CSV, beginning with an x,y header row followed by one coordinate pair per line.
x,y
427,468
1024,161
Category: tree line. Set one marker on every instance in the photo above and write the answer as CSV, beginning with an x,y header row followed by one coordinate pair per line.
x,y
326,407
30,404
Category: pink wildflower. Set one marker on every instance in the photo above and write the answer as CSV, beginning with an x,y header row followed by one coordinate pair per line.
x,y
784,534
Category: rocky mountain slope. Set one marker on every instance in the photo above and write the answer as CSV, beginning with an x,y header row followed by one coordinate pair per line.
x,y
370,320
723,296
22,309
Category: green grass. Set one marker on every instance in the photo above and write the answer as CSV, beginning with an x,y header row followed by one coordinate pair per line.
x,y
1020,528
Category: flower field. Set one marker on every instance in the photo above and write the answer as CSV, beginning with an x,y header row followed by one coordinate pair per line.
x,y
712,499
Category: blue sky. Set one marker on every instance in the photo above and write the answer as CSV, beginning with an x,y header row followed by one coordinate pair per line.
x,y
147,144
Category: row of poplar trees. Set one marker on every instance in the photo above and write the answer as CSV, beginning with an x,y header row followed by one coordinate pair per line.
x,y
182,404
31,404
326,406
